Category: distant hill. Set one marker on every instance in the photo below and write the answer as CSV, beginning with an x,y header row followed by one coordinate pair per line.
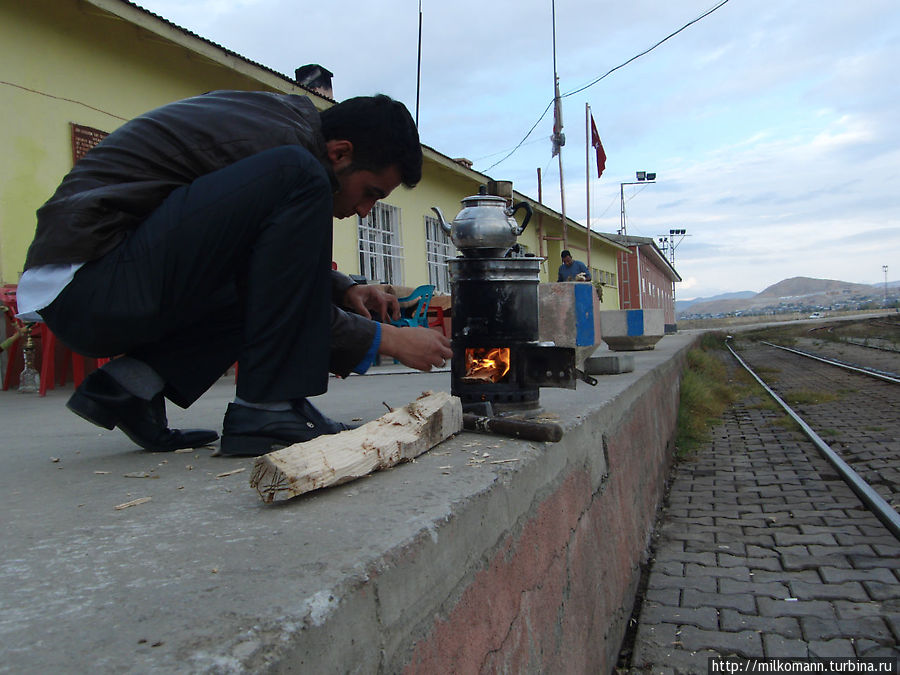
x,y
799,287
681,305
794,294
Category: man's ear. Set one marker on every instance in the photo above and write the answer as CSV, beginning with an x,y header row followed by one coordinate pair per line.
x,y
340,154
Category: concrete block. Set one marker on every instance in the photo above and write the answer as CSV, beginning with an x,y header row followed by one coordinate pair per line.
x,y
632,329
740,602
781,647
702,617
570,316
746,643
840,648
733,621
614,364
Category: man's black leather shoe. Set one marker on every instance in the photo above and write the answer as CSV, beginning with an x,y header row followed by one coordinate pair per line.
x,y
104,402
251,432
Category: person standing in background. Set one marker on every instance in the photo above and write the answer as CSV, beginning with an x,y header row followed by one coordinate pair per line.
x,y
572,270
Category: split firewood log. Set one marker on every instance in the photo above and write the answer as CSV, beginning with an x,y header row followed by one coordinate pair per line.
x,y
398,436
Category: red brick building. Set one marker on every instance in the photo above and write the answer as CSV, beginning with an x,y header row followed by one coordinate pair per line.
x,y
646,279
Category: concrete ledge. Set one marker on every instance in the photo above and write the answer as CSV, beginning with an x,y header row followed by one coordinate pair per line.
x,y
609,364
632,329
486,553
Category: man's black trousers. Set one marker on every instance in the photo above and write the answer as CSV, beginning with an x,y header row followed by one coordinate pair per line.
x,y
233,267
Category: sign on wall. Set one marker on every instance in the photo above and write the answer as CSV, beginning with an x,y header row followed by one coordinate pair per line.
x,y
83,139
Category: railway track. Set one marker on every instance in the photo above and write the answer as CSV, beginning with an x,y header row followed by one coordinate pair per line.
x,y
864,370
851,412
762,550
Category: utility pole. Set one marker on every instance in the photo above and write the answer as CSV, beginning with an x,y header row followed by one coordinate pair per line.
x,y
642,178
668,243
884,269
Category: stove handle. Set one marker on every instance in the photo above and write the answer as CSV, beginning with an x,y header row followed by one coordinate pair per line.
x,y
585,377
528,213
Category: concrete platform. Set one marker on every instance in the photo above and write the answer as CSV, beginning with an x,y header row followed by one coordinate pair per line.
x,y
486,552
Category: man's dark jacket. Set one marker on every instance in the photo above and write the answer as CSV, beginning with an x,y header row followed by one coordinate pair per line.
x,y
120,182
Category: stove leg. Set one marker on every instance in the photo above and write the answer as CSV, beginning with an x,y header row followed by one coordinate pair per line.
x,y
483,408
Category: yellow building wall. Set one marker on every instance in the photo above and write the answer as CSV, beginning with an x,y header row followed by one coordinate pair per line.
x,y
439,187
66,61
603,256
63,62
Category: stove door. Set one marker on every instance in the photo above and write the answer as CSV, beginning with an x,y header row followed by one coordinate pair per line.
x,y
548,366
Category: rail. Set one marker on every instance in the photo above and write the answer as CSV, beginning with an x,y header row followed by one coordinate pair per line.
x,y
873,501
865,371
865,343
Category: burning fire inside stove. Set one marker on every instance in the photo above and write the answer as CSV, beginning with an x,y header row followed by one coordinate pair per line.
x,y
486,364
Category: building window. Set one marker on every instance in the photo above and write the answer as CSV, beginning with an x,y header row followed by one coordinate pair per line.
x,y
439,249
380,247
604,277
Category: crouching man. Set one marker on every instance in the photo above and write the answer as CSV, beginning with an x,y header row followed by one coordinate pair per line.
x,y
199,234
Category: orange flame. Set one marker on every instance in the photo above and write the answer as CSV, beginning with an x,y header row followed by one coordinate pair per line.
x,y
487,364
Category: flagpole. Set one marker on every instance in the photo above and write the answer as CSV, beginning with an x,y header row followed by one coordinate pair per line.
x,y
557,131
587,176
562,188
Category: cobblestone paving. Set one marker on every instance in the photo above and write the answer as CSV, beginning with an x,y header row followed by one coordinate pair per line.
x,y
861,424
763,551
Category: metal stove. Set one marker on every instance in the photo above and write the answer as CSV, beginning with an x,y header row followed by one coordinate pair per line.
x,y
499,363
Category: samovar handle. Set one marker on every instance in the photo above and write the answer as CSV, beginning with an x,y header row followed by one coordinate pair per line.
x,y
528,213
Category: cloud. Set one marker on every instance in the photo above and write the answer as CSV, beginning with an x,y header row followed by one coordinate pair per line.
x,y
772,126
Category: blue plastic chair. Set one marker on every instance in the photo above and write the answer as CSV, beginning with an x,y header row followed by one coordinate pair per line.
x,y
418,316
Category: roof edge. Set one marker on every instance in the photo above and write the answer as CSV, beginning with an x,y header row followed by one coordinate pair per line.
x,y
166,30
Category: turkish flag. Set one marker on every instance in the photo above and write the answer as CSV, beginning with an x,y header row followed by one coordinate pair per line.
x,y
601,153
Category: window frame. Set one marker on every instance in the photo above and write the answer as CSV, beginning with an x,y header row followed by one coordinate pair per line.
x,y
379,245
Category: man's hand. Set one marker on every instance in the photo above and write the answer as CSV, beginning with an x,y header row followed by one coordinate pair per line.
x,y
364,299
417,347
581,276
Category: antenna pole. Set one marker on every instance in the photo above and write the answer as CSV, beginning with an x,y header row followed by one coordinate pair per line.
x,y
419,65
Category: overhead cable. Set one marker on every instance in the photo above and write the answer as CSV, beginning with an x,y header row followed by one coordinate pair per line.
x,y
606,74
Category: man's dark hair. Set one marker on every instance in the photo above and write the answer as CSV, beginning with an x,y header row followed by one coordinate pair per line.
x,y
382,131
564,253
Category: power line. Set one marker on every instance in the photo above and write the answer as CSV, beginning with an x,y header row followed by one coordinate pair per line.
x,y
606,74
530,131
646,51
500,152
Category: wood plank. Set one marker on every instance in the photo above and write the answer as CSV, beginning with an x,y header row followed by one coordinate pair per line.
x,y
398,436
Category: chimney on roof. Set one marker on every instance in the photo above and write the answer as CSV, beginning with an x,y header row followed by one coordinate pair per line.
x,y
315,77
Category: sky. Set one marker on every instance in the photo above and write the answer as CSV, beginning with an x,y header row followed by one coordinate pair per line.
x,y
772,125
